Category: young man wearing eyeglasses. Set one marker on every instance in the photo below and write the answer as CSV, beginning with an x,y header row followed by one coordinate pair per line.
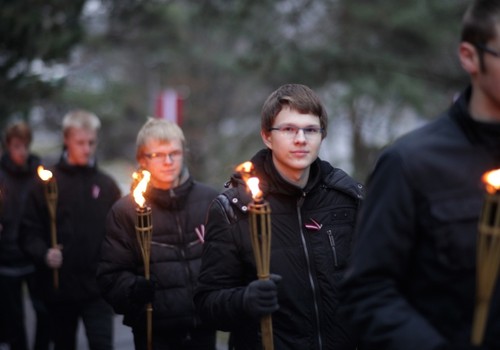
x,y
178,204
412,281
313,211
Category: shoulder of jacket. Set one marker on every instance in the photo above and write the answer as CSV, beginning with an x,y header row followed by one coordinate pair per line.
x,y
233,204
339,180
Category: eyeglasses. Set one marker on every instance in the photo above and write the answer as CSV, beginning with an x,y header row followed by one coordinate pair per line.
x,y
161,156
487,50
293,130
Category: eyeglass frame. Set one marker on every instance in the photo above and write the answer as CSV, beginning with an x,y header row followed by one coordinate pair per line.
x,y
486,49
319,130
162,156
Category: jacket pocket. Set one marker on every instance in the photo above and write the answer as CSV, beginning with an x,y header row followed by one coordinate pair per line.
x,y
453,227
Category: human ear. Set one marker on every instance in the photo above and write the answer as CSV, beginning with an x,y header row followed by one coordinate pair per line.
x,y
469,57
266,138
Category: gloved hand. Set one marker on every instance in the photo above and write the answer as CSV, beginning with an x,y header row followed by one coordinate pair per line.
x,y
142,291
261,297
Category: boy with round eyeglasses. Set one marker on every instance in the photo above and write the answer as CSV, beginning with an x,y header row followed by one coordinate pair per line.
x,y
313,212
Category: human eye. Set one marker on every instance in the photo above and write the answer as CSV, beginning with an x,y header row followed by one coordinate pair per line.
x,y
312,130
159,155
289,129
176,154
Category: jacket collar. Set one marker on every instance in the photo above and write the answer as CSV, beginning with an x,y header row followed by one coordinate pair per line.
x,y
28,169
486,134
271,180
173,198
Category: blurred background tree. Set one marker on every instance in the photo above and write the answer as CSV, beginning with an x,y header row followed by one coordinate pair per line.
x,y
36,37
381,66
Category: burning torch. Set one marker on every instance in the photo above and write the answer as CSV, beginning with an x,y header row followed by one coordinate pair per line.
x,y
260,232
144,232
50,190
488,253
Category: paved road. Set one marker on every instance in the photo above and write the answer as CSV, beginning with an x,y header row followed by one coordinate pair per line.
x,y
122,337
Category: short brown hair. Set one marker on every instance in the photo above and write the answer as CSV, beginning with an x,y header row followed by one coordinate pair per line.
x,y
297,97
480,20
20,130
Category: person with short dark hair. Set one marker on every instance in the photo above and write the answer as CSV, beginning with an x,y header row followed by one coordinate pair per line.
x,y
313,211
412,280
17,175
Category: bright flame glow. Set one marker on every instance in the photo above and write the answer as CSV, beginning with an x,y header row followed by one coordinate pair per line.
x,y
253,185
492,180
141,186
44,174
245,167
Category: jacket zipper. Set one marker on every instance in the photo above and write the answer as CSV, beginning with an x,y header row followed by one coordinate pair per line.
x,y
183,255
332,244
311,278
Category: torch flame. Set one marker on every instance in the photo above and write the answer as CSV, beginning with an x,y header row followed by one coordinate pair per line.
x,y
253,185
44,174
246,169
492,180
141,186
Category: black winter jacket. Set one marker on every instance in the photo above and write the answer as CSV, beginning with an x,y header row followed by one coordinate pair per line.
x,y
85,196
412,281
175,255
15,184
311,261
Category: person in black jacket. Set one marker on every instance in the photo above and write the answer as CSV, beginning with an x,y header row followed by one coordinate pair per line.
x,y
85,195
313,212
178,205
17,174
412,281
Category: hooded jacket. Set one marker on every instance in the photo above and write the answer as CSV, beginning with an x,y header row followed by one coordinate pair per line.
x,y
174,261
85,196
310,247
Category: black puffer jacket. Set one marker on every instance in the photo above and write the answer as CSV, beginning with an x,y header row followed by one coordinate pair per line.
x,y
15,184
85,196
310,261
175,255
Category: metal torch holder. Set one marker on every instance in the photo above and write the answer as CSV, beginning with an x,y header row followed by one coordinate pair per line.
x,y
260,231
488,262
144,232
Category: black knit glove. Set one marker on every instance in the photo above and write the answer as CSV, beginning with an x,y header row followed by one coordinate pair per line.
x,y
142,291
261,297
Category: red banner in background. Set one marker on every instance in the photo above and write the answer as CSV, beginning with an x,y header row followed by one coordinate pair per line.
x,y
169,106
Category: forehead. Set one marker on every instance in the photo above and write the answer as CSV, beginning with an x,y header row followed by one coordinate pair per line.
x,y
80,133
292,116
155,144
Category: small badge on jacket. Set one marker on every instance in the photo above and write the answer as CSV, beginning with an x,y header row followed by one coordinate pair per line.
x,y
95,191
200,231
313,225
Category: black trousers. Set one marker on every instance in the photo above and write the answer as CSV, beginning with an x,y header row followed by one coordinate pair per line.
x,y
12,320
194,339
97,318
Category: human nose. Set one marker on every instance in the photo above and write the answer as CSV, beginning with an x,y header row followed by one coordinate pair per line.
x,y
300,135
168,158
